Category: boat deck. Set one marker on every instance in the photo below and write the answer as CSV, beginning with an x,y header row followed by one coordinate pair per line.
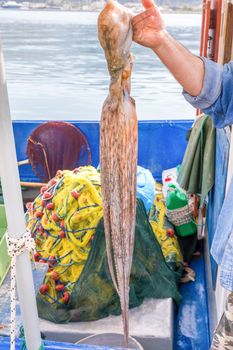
x,y
51,345
190,321
152,323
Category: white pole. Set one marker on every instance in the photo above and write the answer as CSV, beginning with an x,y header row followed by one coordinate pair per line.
x,y
15,216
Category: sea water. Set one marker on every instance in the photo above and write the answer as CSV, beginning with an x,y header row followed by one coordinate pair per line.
x,y
56,69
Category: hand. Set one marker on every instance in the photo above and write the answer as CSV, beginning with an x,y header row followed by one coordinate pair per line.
x,y
148,26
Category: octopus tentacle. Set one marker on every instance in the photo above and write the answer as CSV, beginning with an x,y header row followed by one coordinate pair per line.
x,y
118,151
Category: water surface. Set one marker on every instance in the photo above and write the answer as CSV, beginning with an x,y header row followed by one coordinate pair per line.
x,y
56,67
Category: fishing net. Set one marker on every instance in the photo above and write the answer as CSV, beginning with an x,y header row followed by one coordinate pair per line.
x,y
65,220
164,232
57,145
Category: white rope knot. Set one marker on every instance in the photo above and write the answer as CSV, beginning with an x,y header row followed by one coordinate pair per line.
x,y
16,246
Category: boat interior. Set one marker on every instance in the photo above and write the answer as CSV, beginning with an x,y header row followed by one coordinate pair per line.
x,y
161,146
156,324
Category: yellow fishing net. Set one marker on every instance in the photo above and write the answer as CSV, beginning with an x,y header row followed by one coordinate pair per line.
x,y
63,219
164,231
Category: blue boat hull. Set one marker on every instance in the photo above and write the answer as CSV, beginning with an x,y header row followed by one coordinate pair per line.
x,y
161,143
50,345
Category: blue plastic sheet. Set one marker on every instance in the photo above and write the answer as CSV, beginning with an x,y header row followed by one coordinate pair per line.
x,y
145,187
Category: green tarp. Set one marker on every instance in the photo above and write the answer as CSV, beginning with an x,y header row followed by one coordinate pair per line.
x,y
196,173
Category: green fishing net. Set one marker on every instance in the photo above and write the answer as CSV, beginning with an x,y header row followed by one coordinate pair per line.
x,y
94,297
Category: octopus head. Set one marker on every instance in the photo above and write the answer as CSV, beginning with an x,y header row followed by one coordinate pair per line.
x,y
115,35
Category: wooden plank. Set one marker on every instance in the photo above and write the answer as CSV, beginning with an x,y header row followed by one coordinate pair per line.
x,y
32,184
205,28
202,26
218,7
210,29
229,33
226,36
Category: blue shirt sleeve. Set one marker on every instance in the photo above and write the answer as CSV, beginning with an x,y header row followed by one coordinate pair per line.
x,y
216,97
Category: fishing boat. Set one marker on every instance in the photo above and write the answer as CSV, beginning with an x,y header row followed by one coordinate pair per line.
x,y
162,145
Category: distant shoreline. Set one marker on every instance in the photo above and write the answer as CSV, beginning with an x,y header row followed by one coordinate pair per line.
x,y
52,9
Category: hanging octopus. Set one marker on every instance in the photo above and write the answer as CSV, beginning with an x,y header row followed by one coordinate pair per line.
x,y
118,150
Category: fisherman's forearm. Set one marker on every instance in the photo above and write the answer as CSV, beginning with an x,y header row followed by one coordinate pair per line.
x,y
187,68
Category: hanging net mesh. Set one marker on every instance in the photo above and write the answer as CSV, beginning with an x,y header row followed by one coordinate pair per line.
x,y
57,145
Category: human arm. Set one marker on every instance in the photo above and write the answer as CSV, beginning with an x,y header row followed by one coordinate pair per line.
x,y
149,30
207,85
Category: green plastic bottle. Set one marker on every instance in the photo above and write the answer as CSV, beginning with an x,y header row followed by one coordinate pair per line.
x,y
177,199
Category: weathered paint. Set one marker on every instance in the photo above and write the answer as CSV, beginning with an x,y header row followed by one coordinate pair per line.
x,y
161,143
191,320
49,345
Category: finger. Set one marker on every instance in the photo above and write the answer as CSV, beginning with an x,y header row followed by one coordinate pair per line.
x,y
141,16
148,3
145,23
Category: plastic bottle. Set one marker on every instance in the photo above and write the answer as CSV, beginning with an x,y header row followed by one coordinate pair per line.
x,y
177,199
169,177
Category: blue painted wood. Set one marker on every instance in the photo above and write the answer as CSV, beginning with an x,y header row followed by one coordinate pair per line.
x,y
191,319
218,192
49,345
161,143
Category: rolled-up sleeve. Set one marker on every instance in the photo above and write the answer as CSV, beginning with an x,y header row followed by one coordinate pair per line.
x,y
216,97
211,86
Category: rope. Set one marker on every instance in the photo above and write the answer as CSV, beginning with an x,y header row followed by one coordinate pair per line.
x,y
16,246
180,216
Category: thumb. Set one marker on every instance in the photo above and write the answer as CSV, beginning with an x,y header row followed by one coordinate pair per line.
x,y
148,4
